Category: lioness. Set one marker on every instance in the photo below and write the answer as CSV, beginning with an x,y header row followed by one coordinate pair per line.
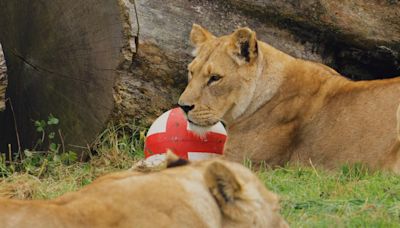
x,y
396,147
281,109
212,193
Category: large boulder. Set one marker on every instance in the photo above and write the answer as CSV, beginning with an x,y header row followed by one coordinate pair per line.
x,y
158,73
360,39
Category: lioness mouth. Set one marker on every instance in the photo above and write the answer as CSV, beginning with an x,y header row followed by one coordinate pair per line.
x,y
202,125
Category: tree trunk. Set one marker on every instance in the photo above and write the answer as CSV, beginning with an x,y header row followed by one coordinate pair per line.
x,y
62,58
3,80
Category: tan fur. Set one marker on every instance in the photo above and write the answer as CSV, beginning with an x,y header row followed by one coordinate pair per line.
x,y
280,109
212,193
398,123
395,154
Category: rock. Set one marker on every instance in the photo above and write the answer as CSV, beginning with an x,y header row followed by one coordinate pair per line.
x,y
158,73
364,23
360,39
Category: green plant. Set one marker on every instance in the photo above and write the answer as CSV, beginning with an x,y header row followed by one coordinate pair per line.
x,y
353,172
47,128
46,154
119,144
5,170
50,173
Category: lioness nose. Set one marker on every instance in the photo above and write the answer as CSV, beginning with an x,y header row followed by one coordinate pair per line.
x,y
186,108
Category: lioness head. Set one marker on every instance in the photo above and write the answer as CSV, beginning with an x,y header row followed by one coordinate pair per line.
x,y
221,77
242,198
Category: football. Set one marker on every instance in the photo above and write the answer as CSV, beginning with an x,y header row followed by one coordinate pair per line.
x,y
172,131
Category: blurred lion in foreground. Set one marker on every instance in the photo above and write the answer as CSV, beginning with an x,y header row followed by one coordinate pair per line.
x,y
211,193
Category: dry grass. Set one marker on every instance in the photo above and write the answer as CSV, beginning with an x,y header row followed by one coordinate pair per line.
x,y
117,148
349,197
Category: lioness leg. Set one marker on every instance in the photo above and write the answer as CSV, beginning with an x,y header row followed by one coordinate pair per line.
x,y
394,159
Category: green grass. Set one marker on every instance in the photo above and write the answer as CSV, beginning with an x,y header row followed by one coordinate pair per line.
x,y
345,198
349,197
117,148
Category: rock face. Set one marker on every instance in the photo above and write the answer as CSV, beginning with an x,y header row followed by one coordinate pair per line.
x,y
360,39
158,73
362,22
3,80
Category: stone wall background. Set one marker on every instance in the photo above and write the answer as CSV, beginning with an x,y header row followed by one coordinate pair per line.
x,y
360,39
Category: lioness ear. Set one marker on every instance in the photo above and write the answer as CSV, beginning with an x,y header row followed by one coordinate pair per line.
x,y
224,186
244,45
199,35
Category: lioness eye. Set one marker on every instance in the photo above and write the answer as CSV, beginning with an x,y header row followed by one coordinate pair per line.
x,y
213,78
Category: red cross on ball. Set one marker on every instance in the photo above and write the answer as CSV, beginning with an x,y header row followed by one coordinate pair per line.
x,y
172,131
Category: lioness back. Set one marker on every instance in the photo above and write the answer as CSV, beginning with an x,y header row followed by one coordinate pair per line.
x,y
213,193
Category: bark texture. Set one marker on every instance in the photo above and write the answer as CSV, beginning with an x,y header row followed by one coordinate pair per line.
x,y
3,80
62,57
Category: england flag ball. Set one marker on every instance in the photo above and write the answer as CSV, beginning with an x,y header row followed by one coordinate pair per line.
x,y
171,131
